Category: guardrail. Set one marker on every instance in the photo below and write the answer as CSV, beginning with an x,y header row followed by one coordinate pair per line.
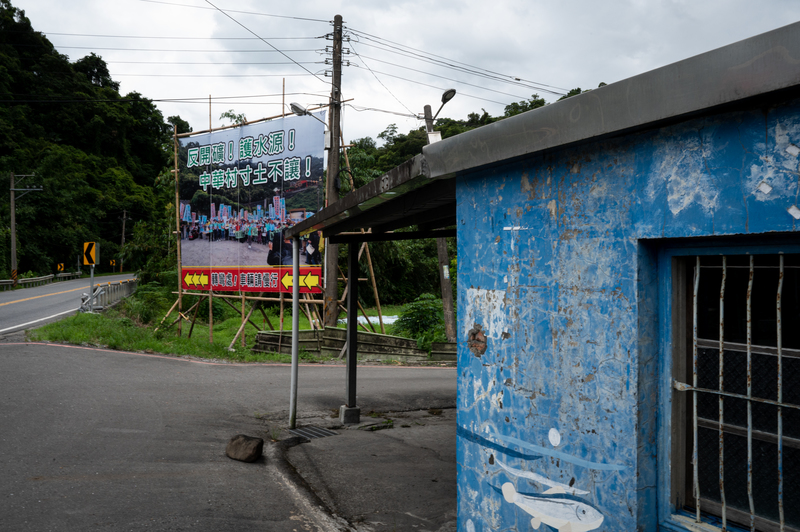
x,y
8,284
36,281
107,294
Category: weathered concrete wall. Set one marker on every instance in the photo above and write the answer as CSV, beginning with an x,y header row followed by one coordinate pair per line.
x,y
563,395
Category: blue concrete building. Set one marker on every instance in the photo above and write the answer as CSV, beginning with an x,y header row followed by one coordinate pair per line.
x,y
628,297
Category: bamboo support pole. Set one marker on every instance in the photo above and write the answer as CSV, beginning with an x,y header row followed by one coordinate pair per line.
x,y
312,318
359,304
194,317
177,222
237,310
360,324
366,246
307,315
167,316
313,314
266,318
252,298
280,335
366,318
182,317
241,328
375,291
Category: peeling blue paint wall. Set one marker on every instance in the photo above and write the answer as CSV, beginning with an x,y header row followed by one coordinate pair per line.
x,y
558,411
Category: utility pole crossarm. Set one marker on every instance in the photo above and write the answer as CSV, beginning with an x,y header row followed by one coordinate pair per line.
x,y
25,190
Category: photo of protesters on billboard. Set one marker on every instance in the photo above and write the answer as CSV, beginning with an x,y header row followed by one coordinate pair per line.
x,y
240,189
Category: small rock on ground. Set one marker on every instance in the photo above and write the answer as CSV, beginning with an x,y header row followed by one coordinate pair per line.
x,y
245,448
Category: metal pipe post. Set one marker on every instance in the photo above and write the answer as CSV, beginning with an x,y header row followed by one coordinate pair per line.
x,y
295,330
91,290
352,322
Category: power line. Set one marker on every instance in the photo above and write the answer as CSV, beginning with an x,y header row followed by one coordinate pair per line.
x,y
261,39
514,78
213,75
234,11
434,86
382,84
360,109
442,77
176,51
209,63
151,38
460,69
200,99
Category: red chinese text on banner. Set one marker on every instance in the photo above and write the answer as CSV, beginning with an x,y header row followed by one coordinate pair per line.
x,y
278,279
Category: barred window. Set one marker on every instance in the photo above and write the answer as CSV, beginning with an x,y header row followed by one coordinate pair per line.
x,y
736,380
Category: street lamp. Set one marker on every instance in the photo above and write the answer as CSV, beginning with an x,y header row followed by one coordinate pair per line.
x,y
434,136
299,110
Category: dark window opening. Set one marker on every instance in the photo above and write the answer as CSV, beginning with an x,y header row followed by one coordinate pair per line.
x,y
736,419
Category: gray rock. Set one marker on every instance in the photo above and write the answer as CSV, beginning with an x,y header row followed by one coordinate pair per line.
x,y
245,448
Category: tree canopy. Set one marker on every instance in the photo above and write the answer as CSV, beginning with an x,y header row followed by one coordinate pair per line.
x,y
96,153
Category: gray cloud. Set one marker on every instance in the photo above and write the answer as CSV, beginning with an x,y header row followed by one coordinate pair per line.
x,y
576,43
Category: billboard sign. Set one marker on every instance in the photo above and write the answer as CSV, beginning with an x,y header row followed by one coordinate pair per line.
x,y
236,186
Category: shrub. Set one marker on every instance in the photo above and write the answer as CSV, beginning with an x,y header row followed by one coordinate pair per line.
x,y
149,301
422,319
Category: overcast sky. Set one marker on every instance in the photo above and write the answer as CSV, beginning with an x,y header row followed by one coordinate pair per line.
x,y
403,53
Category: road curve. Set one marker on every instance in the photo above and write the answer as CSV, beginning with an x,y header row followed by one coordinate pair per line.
x,y
35,306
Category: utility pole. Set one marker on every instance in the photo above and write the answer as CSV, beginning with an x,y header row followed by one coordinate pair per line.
x,y
13,235
14,273
122,244
441,249
331,193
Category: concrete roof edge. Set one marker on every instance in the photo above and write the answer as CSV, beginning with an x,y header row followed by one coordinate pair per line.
x,y
369,196
745,69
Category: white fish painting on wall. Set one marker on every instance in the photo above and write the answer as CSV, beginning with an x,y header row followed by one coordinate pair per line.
x,y
558,507
565,515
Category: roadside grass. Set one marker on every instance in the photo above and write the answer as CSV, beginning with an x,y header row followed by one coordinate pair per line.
x,y
132,324
113,330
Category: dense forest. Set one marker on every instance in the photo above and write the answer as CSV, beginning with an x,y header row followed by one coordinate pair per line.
x,y
96,154
100,156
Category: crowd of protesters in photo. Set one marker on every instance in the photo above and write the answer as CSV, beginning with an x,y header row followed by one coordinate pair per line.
x,y
262,232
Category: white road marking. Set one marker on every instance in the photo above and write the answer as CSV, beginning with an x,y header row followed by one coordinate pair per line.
x,y
36,321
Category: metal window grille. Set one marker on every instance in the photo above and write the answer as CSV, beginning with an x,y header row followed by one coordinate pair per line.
x,y
743,428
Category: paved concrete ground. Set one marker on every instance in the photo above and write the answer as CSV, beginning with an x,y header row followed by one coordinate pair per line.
x,y
102,440
407,459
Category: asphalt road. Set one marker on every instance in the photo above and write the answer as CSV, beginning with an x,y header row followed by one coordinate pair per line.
x,y
35,306
93,439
